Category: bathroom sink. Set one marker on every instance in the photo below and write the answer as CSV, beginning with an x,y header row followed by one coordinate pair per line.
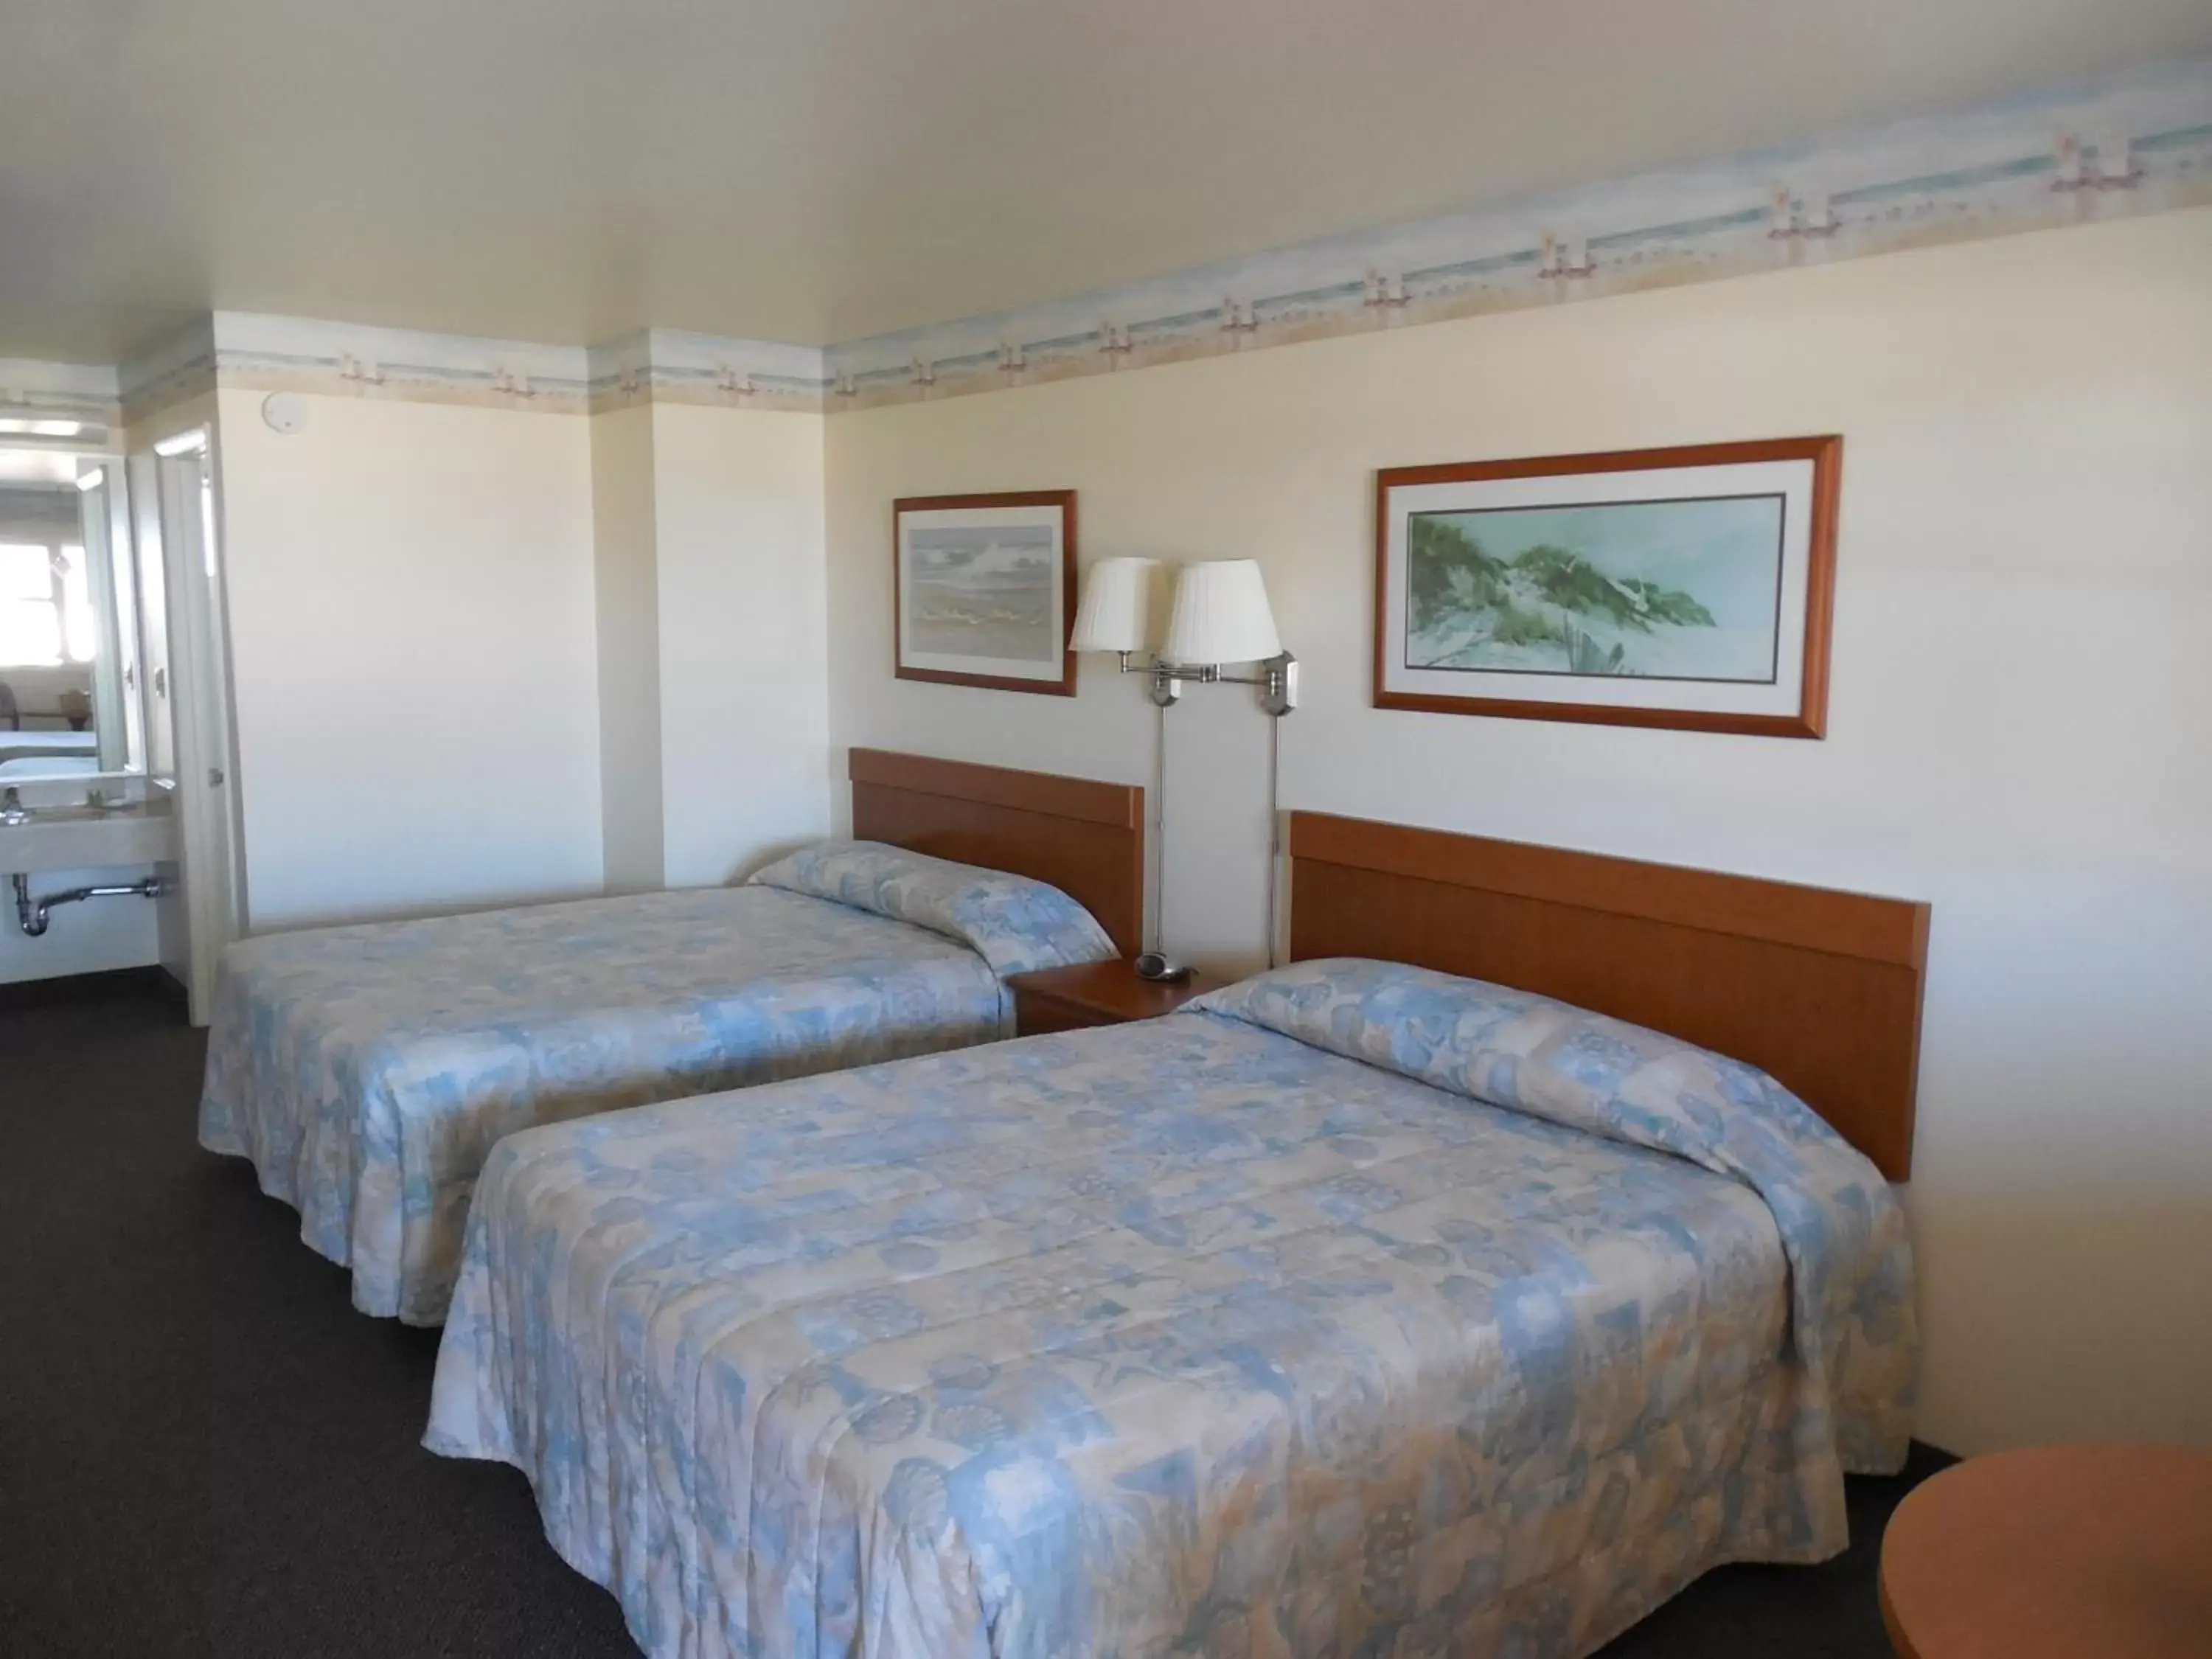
x,y
88,838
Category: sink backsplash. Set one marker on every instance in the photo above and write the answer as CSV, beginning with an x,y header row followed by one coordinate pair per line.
x,y
73,790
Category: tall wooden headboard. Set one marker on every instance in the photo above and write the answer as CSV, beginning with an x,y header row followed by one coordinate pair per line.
x,y
1820,988
1085,837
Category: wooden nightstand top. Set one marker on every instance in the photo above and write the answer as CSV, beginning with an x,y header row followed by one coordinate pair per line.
x,y
1108,993
2051,1552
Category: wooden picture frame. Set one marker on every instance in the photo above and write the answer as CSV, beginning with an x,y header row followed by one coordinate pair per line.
x,y
1483,607
1006,627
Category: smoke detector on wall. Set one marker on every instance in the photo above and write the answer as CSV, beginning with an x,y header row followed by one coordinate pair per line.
x,y
285,412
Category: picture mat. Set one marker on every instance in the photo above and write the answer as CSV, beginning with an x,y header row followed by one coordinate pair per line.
x,y
918,528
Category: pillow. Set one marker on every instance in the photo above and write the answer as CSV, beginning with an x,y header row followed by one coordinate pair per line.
x,y
1527,1053
1012,922
1854,1332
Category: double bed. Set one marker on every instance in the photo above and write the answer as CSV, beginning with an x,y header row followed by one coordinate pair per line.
x,y
1389,1302
47,754
367,1071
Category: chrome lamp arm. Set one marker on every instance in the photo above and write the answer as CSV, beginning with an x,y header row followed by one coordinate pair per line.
x,y
1277,679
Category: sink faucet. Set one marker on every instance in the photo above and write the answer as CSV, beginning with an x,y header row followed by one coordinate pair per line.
x,y
12,810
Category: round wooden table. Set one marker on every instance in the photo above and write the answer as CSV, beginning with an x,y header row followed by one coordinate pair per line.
x,y
2056,1552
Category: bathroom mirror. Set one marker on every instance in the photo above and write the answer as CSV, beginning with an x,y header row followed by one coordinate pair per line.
x,y
71,699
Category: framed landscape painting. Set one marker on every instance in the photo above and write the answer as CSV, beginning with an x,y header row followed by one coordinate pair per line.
x,y
1685,588
983,590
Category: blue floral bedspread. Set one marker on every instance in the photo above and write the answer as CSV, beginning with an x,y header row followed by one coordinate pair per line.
x,y
367,1071
1355,1311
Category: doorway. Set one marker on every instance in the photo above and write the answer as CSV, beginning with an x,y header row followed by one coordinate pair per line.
x,y
208,911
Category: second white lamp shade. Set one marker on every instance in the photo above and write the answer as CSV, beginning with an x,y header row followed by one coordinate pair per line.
x,y
1221,615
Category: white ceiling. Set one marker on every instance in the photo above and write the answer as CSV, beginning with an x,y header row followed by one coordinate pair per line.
x,y
810,170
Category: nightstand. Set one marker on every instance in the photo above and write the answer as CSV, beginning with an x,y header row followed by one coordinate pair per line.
x,y
1095,993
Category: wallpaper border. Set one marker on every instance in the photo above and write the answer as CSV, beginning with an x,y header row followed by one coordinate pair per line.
x,y
33,390
2136,143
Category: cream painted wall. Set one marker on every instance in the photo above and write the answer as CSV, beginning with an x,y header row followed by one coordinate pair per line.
x,y
744,723
627,586
414,657
713,676
2019,733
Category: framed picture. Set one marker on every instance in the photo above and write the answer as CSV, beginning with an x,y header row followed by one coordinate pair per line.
x,y
1683,587
984,590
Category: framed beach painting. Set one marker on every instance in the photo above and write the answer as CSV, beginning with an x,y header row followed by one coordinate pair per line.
x,y
1684,587
983,590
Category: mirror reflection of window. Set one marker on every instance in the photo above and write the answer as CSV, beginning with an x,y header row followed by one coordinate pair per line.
x,y
70,698
79,625
30,607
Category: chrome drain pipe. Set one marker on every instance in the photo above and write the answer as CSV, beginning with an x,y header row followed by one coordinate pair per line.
x,y
35,915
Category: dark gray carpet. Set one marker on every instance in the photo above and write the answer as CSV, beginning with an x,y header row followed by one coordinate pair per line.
x,y
205,1451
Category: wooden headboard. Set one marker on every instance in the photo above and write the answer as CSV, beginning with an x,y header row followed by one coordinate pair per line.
x,y
1085,837
1818,988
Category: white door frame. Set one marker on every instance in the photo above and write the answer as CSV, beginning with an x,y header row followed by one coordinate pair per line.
x,y
199,655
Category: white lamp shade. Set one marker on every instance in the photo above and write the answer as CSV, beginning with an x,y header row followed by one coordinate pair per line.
x,y
1116,612
1221,615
